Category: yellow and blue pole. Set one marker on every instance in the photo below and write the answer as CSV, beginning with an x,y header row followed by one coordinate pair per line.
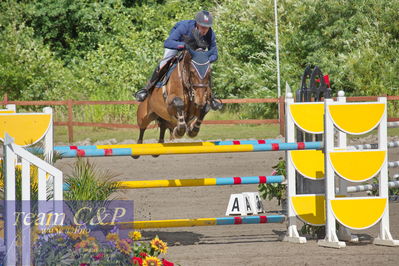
x,y
218,181
202,222
156,145
187,148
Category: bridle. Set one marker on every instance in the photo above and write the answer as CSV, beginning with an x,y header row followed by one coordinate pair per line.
x,y
186,77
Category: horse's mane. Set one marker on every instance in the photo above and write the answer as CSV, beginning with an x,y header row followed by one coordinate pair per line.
x,y
195,42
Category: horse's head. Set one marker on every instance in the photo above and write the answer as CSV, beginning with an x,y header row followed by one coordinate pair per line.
x,y
198,78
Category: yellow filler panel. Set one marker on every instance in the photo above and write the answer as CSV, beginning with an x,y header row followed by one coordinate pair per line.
x,y
308,117
357,118
357,166
25,129
310,208
309,163
358,213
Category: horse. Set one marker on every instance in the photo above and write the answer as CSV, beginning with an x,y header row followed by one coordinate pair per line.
x,y
182,103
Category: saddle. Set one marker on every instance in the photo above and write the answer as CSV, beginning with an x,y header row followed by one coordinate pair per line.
x,y
169,67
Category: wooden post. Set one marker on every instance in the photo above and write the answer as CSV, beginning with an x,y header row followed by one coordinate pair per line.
x,y
282,115
5,99
70,120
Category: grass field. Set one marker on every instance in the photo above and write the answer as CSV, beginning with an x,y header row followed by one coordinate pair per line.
x,y
207,132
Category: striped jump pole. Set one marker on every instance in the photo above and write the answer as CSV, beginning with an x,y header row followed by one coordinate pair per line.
x,y
218,181
160,145
393,124
360,188
183,148
393,164
392,144
201,222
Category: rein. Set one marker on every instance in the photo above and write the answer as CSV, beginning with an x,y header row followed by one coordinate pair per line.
x,y
182,72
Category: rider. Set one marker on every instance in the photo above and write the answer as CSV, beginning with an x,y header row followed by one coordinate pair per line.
x,y
200,28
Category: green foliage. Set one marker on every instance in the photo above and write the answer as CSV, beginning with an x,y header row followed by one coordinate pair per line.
x,y
28,69
278,191
393,191
355,42
85,179
316,232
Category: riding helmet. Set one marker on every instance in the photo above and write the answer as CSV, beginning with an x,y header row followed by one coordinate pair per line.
x,y
204,18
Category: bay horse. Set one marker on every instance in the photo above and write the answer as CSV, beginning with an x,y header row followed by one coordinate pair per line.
x,y
182,103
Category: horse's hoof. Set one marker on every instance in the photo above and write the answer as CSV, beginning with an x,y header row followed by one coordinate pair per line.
x,y
179,133
135,156
192,134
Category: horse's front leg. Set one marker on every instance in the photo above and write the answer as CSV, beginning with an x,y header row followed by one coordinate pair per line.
x,y
139,141
162,127
194,127
181,127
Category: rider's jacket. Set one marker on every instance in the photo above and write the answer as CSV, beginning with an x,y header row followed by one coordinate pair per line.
x,y
185,27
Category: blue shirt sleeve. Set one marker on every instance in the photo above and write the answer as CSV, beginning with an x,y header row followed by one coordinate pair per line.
x,y
213,49
174,41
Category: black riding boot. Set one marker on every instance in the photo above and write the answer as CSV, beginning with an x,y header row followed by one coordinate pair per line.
x,y
215,103
143,93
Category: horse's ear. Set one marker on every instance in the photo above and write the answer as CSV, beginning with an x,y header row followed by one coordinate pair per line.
x,y
191,51
188,55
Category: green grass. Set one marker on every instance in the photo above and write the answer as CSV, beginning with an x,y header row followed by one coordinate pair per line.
x,y
207,132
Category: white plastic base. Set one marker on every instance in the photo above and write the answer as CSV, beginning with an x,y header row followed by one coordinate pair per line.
x,y
386,242
344,234
295,239
331,244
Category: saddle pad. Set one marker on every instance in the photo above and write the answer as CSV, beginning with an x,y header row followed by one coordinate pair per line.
x,y
165,79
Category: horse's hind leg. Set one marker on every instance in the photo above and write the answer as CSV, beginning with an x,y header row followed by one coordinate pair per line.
x,y
194,127
181,127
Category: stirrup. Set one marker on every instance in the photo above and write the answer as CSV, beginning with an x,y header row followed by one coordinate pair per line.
x,y
141,95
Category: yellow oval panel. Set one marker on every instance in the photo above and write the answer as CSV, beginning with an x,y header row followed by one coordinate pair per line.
x,y
358,213
357,166
308,116
25,129
311,209
309,163
356,118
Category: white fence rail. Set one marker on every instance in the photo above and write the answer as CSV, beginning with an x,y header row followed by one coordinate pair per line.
x,y
46,203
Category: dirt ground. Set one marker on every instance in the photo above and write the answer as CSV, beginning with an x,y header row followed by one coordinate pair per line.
x,y
234,244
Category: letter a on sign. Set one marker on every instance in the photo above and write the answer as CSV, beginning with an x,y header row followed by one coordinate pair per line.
x,y
255,201
236,205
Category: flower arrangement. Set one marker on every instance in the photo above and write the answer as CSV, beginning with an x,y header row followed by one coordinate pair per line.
x,y
75,246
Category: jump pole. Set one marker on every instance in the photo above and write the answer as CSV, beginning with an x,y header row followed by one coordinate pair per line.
x,y
201,222
178,148
218,181
160,145
360,188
